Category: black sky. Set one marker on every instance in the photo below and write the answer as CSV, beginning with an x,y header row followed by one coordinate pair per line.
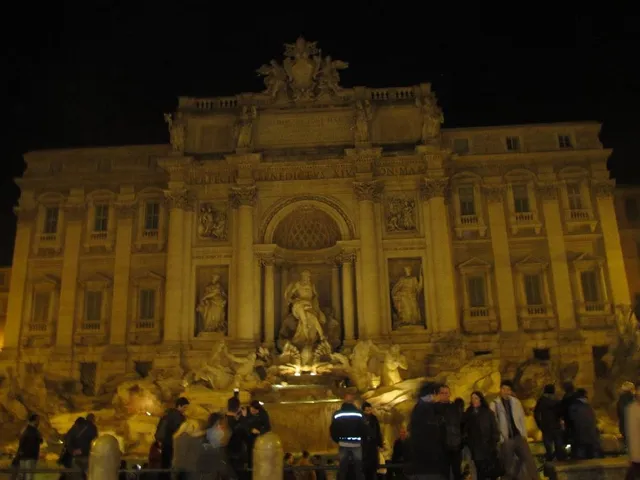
x,y
103,74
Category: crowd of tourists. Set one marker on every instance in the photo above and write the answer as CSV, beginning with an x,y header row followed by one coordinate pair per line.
x,y
443,440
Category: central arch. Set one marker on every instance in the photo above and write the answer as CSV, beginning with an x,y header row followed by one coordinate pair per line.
x,y
306,223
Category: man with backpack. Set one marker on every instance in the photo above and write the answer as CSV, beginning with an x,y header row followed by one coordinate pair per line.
x,y
452,415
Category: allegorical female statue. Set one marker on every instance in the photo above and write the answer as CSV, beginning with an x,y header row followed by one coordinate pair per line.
x,y
303,299
212,307
405,298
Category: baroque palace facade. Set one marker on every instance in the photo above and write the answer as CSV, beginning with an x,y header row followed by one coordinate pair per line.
x,y
497,240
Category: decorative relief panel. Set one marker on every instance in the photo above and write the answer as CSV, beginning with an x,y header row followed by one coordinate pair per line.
x,y
371,191
400,214
211,307
406,282
213,222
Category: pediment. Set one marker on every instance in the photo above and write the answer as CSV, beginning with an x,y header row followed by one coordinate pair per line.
x,y
97,278
532,261
50,280
474,263
148,276
586,259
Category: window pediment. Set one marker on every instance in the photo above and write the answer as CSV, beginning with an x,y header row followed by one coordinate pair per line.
x,y
148,278
531,263
47,282
587,260
474,264
97,281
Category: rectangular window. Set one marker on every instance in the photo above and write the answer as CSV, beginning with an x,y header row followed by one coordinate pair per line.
x,y
477,297
533,290
152,216
590,286
147,304
564,141
467,201
51,220
575,196
631,209
41,304
521,199
101,218
460,146
513,144
93,306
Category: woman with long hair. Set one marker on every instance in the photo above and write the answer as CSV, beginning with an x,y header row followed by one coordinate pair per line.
x,y
482,434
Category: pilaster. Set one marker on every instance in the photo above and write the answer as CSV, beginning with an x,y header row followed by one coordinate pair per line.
x,y
502,257
434,192
74,215
268,262
367,193
563,295
243,199
612,245
347,260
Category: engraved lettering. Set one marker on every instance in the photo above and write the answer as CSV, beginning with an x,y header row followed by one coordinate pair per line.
x,y
305,129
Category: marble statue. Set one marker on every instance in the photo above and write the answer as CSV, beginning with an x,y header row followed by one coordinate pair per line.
x,y
302,298
244,127
212,223
222,368
405,294
364,356
213,307
275,78
393,361
176,131
329,75
432,117
401,215
332,329
364,114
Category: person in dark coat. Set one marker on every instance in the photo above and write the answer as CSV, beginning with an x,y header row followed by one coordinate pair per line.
x,y
427,437
167,427
238,437
400,454
29,446
547,416
348,429
81,442
212,462
373,443
586,438
258,423
482,435
566,402
627,395
452,414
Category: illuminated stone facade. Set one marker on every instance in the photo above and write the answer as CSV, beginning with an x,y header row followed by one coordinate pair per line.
x,y
510,232
628,212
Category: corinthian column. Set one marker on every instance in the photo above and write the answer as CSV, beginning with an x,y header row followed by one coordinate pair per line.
x,y
347,260
439,252
367,193
244,199
269,300
178,201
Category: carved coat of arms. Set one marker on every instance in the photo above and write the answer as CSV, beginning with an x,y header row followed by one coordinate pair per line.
x,y
304,74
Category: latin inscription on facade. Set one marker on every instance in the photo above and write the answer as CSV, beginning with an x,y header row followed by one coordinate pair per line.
x,y
327,128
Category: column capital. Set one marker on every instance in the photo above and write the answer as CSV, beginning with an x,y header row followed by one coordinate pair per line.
x,y
346,257
125,210
179,198
368,191
74,211
494,193
434,187
246,195
604,189
267,260
547,191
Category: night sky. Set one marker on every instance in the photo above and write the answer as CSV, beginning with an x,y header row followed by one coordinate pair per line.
x,y
103,73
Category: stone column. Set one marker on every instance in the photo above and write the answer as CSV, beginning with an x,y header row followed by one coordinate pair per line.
x,y
434,191
367,193
178,201
335,290
188,297
74,216
558,256
612,246
269,300
284,282
121,273
347,260
19,272
244,199
502,257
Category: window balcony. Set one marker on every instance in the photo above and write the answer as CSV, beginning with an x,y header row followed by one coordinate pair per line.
x,y
478,320
537,318
579,218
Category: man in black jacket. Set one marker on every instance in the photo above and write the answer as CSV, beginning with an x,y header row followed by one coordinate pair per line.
x,y
81,442
547,416
29,446
349,429
373,443
169,425
453,423
427,437
237,449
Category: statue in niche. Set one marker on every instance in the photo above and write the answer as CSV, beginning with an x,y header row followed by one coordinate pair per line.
x,y
401,215
404,295
302,298
244,127
213,307
212,223
176,131
393,361
432,117
364,114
